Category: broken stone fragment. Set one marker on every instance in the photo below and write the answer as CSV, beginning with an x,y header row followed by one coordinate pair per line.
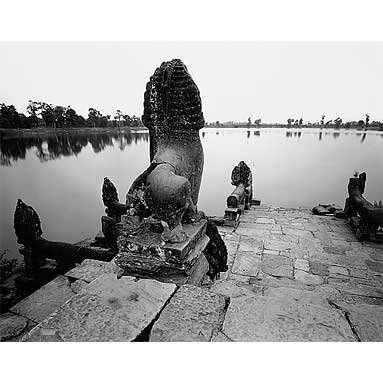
x,y
12,326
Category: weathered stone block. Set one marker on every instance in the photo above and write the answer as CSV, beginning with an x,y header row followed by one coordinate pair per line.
x,y
46,300
106,310
338,270
278,245
302,264
252,232
367,320
230,289
91,269
277,266
247,263
250,244
318,268
12,326
297,232
193,314
167,262
220,337
309,279
257,318
375,266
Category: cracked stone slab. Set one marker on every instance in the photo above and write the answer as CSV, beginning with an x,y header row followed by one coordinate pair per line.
x,y
247,263
302,264
250,244
278,245
367,320
230,289
375,266
284,318
358,289
108,309
45,300
252,232
90,269
220,337
193,314
277,266
297,232
12,326
334,269
340,250
318,268
309,279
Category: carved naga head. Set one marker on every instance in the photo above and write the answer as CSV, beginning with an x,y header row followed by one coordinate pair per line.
x,y
172,103
26,223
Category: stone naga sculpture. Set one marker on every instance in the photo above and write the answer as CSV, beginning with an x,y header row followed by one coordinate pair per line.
x,y
370,217
242,179
28,232
168,189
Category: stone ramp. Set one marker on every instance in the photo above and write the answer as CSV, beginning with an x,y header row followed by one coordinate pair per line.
x,y
294,276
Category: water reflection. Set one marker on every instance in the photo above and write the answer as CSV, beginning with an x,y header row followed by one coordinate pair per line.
x,y
295,134
52,147
56,145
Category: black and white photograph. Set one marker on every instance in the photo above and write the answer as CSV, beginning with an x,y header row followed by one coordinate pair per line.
x,y
184,191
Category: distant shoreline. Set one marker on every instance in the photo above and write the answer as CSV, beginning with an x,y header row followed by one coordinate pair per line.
x,y
285,126
22,133
25,133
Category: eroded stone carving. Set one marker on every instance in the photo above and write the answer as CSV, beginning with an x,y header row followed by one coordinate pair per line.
x,y
241,197
364,216
163,235
28,232
169,188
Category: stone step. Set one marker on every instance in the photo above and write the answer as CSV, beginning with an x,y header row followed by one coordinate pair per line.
x,y
107,309
47,299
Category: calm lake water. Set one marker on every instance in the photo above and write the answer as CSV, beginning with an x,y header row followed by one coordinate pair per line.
x,y
61,176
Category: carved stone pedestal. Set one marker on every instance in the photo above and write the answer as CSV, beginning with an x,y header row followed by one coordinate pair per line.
x,y
143,253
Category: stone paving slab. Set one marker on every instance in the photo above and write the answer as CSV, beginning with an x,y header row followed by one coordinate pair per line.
x,y
301,270
277,266
13,326
90,269
367,320
106,310
247,263
192,315
257,318
46,300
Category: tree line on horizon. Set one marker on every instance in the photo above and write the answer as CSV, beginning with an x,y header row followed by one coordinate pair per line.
x,y
42,114
338,122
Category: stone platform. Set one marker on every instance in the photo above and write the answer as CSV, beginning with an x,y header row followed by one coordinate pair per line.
x,y
292,276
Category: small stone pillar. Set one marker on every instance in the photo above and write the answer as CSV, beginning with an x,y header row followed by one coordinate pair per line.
x,y
241,198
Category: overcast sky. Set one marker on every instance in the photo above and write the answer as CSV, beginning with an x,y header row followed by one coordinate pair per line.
x,y
271,81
